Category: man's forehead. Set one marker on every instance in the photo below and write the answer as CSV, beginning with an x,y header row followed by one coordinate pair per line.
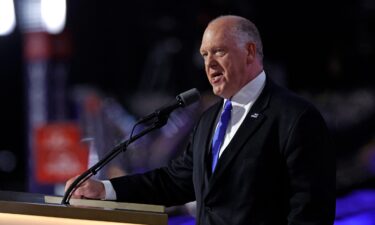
x,y
211,39
218,34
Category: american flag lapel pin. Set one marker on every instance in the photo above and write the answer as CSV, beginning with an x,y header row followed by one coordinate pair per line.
x,y
254,115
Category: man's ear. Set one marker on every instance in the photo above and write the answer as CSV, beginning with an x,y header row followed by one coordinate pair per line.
x,y
251,52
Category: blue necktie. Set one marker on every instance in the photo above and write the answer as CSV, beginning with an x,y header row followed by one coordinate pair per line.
x,y
221,128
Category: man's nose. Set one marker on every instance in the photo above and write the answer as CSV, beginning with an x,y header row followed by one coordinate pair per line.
x,y
211,61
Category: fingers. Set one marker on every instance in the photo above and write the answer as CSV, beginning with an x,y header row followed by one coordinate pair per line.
x,y
69,182
91,189
77,193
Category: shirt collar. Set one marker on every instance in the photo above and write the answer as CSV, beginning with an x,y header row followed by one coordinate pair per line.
x,y
251,91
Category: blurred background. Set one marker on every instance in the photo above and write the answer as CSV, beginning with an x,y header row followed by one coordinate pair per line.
x,y
75,75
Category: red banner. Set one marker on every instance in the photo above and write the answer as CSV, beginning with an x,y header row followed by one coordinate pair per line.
x,y
60,154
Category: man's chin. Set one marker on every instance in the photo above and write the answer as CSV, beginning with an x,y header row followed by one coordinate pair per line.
x,y
219,92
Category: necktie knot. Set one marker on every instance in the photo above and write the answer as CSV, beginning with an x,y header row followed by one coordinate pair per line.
x,y
227,106
221,128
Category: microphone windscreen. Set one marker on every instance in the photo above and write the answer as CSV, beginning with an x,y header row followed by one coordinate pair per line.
x,y
189,97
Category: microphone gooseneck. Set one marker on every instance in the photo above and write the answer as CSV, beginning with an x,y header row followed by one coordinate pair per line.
x,y
160,118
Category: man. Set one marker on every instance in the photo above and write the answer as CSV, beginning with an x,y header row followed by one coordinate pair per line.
x,y
273,163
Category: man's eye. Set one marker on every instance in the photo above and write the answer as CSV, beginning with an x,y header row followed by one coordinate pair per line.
x,y
220,52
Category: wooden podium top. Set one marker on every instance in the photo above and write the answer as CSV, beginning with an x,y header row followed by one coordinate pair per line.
x,y
107,204
18,203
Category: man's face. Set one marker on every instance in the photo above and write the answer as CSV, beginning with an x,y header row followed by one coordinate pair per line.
x,y
225,60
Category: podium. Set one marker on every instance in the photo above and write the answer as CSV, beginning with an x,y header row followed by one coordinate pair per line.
x,y
18,208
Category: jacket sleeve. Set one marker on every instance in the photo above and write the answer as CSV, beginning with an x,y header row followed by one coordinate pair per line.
x,y
170,185
310,160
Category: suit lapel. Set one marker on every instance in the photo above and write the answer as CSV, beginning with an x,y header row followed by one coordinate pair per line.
x,y
252,121
208,124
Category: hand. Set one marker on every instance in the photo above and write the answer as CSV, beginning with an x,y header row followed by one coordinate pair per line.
x,y
92,189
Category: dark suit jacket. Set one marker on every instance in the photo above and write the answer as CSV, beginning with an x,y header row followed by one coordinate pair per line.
x,y
278,169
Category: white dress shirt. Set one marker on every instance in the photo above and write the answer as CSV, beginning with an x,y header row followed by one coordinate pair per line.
x,y
242,102
241,105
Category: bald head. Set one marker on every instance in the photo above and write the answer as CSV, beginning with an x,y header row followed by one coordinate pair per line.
x,y
243,29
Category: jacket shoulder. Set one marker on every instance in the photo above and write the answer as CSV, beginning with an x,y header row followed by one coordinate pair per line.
x,y
288,101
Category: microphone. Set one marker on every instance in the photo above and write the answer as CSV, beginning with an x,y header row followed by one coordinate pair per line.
x,y
184,99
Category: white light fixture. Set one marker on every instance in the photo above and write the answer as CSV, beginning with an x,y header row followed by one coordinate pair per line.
x,y
7,17
53,15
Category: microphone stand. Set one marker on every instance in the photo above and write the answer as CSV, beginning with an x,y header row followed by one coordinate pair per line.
x,y
160,121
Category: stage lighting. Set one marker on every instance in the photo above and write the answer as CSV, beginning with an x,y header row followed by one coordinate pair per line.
x,y
7,17
53,15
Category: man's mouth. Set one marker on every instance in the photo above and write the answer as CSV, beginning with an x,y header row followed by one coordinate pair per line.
x,y
216,77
